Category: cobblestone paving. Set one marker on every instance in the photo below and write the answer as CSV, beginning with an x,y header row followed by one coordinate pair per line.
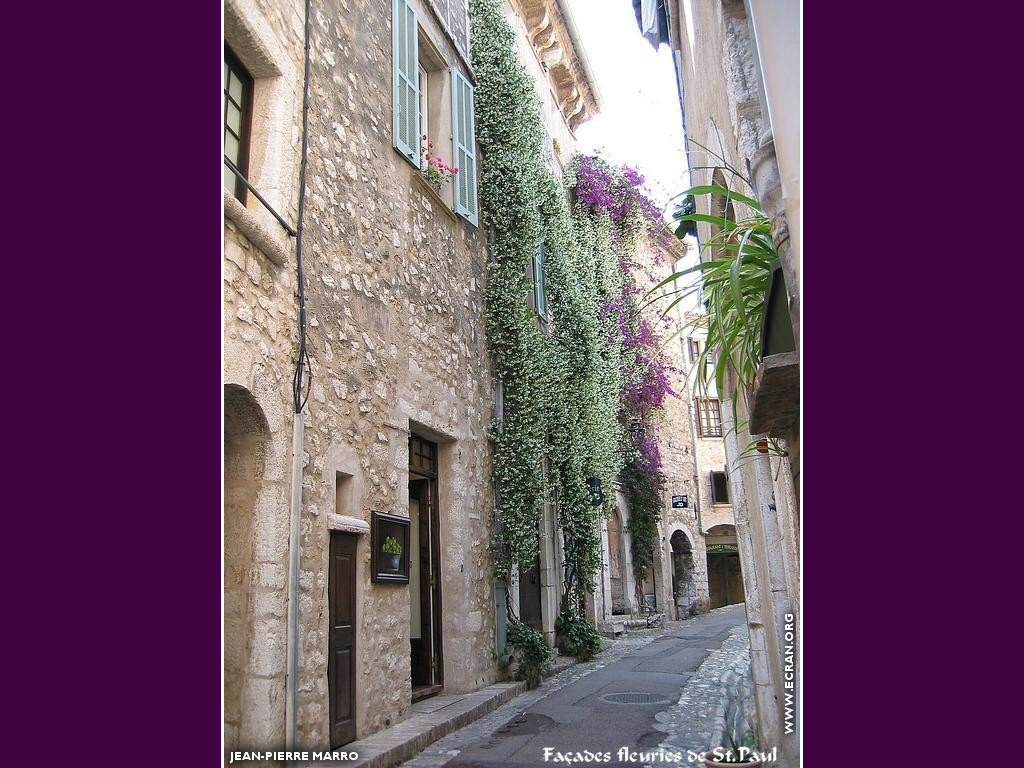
x,y
443,750
697,720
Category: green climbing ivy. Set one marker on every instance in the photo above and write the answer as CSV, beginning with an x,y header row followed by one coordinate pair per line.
x,y
578,400
560,390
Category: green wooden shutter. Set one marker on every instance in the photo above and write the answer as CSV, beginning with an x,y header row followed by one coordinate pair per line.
x,y
501,625
464,144
405,81
540,299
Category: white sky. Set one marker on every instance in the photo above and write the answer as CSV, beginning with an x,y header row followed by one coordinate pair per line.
x,y
639,123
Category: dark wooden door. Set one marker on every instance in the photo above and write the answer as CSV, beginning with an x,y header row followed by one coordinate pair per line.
x,y
734,580
341,657
717,587
529,597
422,647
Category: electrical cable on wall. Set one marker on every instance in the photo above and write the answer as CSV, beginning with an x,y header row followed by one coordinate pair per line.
x,y
302,362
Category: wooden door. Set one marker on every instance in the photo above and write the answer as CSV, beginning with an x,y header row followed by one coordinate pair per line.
x,y
615,563
734,580
341,658
717,586
422,637
529,597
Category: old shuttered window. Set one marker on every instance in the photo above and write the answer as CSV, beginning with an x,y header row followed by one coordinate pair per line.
x,y
694,349
405,81
464,147
709,417
719,488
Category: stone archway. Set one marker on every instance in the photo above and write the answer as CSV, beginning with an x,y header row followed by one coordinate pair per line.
x,y
725,578
254,601
684,583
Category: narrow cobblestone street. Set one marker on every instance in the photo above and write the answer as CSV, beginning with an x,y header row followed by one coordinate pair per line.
x,y
652,688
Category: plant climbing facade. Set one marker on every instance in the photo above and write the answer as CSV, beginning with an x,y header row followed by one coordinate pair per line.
x,y
581,376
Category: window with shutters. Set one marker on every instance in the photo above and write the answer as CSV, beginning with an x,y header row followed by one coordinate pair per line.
x,y
433,105
693,347
709,417
719,488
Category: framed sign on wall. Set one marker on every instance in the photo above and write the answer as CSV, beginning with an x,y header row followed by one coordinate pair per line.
x,y
389,548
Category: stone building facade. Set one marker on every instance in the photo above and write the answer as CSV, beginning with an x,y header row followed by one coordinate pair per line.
x,y
324,643
677,582
260,341
713,503
738,66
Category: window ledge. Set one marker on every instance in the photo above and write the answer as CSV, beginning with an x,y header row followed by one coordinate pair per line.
x,y
347,524
272,246
434,194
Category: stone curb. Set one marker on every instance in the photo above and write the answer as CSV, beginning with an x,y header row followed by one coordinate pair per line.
x,y
698,720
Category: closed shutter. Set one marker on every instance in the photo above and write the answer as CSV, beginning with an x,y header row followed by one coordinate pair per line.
x,y
540,300
464,140
501,624
405,81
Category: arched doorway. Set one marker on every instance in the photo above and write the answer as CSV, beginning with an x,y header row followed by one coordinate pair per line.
x,y
616,561
684,585
725,578
246,441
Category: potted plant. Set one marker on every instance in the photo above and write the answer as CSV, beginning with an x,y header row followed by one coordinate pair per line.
x,y
744,753
392,556
433,167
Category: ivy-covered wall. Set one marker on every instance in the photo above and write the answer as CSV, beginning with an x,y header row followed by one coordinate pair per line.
x,y
579,393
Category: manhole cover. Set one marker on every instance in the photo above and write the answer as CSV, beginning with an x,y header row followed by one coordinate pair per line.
x,y
634,698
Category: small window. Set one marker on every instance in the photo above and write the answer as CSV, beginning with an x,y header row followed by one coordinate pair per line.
x,y
719,488
237,118
422,455
424,95
693,347
540,299
709,417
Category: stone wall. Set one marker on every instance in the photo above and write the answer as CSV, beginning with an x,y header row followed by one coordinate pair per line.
x,y
395,335
259,343
395,305
675,433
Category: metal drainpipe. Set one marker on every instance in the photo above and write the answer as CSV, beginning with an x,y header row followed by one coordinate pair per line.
x,y
291,703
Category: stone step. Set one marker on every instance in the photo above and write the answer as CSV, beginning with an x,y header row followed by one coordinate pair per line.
x,y
431,719
611,628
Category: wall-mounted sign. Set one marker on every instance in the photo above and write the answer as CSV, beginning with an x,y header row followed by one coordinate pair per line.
x,y
722,549
680,502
